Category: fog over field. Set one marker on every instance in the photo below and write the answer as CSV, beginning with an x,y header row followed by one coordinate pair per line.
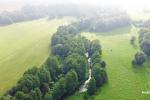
x,y
127,4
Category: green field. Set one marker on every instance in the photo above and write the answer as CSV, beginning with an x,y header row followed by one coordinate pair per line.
x,y
124,81
24,45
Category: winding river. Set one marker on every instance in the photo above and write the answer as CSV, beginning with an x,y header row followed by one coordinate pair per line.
x,y
84,86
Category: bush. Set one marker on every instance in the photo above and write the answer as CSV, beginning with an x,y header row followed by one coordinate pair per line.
x,y
139,59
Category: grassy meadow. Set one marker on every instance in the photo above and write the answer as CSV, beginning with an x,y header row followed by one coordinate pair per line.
x,y
24,45
124,81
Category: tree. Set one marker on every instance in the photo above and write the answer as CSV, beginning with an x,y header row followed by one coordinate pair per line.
x,y
60,50
7,98
145,46
92,86
59,89
33,95
99,75
44,75
142,34
53,67
32,71
96,58
78,63
86,43
71,81
144,40
44,88
72,29
103,64
48,96
38,94
139,58
95,46
20,96
27,83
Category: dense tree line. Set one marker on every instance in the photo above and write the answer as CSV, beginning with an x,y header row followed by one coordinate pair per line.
x,y
144,41
65,69
30,12
26,13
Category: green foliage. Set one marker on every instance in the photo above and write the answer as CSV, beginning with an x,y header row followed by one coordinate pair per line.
x,y
95,46
100,75
145,45
96,73
86,96
7,98
78,63
144,39
44,75
48,96
52,64
27,83
71,81
32,71
92,86
21,96
59,89
60,49
38,94
96,58
103,64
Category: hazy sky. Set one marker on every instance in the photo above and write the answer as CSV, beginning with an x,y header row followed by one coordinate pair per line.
x,y
128,4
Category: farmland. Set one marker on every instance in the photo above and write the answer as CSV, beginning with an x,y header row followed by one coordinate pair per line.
x,y
24,45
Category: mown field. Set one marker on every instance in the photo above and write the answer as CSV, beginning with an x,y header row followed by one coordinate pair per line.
x,y
24,45
125,82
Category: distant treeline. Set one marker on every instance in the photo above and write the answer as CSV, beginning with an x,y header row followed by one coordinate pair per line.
x,y
98,19
65,69
25,14
103,22
29,12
